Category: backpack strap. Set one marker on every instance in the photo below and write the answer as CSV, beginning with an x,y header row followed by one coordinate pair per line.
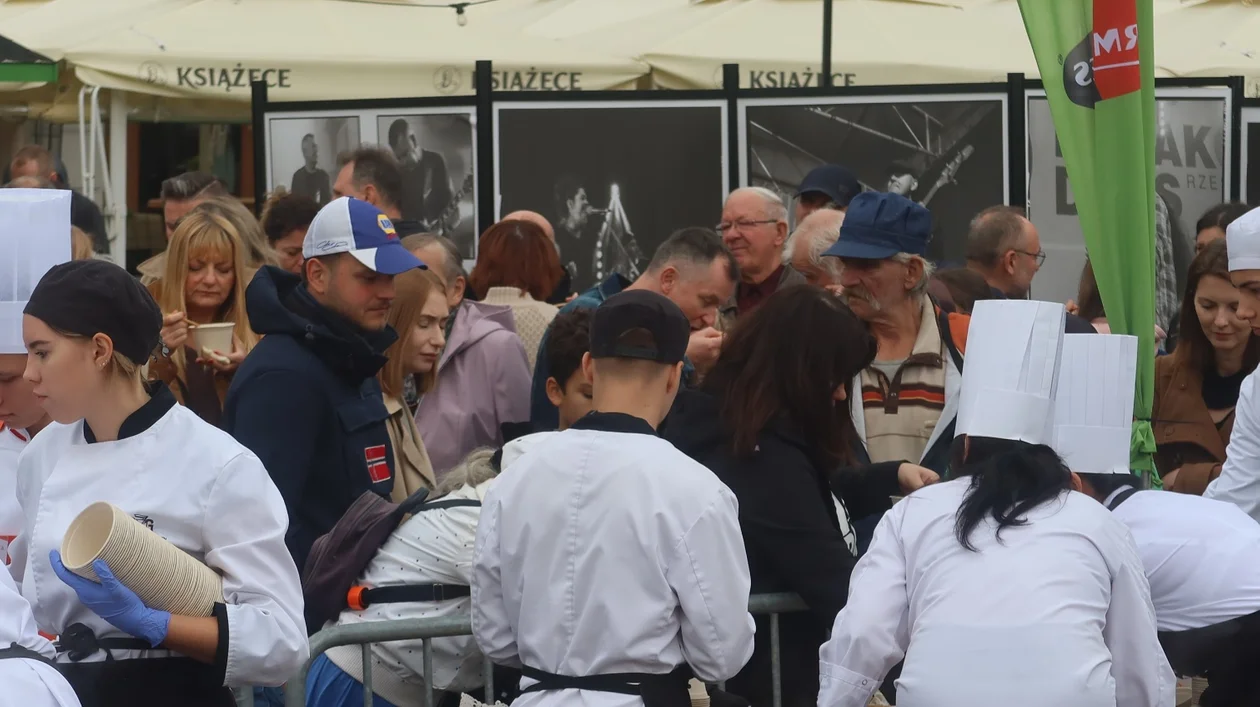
x,y
953,328
411,502
360,598
453,503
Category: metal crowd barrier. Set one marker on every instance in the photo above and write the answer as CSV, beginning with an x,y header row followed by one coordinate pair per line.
x,y
365,634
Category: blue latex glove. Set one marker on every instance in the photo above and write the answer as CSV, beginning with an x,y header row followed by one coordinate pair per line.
x,y
115,603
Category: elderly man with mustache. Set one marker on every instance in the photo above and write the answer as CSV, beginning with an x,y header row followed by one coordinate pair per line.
x,y
905,402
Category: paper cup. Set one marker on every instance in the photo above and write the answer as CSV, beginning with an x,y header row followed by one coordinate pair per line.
x,y
216,337
162,575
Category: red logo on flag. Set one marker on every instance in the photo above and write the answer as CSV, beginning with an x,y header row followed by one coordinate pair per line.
x,y
378,469
1117,70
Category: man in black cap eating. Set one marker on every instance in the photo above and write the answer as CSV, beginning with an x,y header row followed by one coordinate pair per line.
x,y
828,186
606,514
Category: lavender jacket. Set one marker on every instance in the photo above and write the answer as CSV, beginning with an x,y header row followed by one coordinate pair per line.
x,y
482,382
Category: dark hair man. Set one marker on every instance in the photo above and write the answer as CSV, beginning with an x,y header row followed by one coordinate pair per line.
x,y
306,399
374,175
679,575
35,161
694,270
309,180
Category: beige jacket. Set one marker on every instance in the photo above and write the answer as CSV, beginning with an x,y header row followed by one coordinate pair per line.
x,y
532,317
412,469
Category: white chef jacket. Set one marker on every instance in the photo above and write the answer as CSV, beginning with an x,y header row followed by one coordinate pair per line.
x,y
1239,482
1057,613
202,491
431,547
1202,557
12,442
24,682
607,552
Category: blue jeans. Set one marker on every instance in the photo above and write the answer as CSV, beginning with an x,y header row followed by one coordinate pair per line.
x,y
330,686
268,697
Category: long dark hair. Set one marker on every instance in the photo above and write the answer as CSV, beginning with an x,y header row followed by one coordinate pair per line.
x,y
788,357
1008,479
1193,348
1088,298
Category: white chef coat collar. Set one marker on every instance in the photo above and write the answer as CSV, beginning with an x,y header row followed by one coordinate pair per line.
x,y
614,422
160,402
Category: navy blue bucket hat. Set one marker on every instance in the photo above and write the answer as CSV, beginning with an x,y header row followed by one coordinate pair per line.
x,y
879,225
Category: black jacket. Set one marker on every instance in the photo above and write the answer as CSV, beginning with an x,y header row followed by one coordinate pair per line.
x,y
307,402
791,533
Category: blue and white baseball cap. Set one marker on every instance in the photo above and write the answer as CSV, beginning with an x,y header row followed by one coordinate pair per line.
x,y
349,225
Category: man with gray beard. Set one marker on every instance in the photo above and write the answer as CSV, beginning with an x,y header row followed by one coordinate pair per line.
x,y
905,402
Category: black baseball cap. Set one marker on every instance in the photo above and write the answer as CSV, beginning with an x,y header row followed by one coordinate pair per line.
x,y
836,182
666,328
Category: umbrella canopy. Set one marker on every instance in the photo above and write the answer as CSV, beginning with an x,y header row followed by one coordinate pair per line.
x,y
1213,38
331,49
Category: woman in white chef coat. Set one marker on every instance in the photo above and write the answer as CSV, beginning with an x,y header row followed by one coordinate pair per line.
x,y
88,328
1003,586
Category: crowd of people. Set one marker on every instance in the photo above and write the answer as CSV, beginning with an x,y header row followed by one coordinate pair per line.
x,y
935,464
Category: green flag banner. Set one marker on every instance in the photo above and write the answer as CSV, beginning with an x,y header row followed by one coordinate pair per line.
x,y
1096,60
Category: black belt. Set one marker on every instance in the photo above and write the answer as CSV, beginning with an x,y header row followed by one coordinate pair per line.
x,y
16,651
79,642
656,690
1197,650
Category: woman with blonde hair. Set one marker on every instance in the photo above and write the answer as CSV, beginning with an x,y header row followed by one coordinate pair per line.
x,y
419,315
204,283
257,252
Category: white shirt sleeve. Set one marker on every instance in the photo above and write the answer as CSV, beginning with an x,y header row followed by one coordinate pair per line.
x,y
245,523
1239,482
871,633
709,575
491,625
1142,673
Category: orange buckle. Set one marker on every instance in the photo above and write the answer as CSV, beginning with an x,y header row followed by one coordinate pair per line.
x,y
354,598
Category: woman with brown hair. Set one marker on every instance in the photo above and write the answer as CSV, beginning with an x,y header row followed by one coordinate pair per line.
x,y
1196,388
517,266
772,422
204,283
419,314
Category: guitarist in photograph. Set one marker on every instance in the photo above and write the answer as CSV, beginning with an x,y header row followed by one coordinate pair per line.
x,y
949,224
426,185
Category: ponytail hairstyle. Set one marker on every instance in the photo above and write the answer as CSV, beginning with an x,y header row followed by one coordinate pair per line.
x,y
1008,479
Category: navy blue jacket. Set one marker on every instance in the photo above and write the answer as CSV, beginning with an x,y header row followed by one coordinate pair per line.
x,y
307,402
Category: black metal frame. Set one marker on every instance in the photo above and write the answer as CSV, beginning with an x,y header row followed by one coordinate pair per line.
x,y
485,100
1236,86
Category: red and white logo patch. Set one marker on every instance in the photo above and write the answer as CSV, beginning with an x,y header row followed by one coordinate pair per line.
x,y
378,469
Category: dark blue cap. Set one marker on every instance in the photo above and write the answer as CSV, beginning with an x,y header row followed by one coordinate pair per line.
x,y
837,182
879,225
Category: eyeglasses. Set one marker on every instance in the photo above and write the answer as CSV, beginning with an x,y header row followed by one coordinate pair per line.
x,y
743,225
1039,256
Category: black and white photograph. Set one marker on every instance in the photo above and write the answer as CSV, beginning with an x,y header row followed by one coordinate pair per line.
x,y
615,179
945,152
436,153
1191,176
302,152
1251,156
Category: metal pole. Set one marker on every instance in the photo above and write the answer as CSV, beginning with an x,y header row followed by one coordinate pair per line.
x,y
824,79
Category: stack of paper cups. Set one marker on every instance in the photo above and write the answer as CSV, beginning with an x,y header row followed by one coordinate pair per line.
x,y
162,575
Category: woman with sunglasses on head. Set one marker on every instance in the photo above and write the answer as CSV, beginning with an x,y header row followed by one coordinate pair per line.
x,y
88,329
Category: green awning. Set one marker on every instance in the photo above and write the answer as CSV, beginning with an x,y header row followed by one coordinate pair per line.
x,y
21,65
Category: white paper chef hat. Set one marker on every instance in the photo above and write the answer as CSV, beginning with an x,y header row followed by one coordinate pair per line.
x,y
1093,407
1242,240
1012,367
34,236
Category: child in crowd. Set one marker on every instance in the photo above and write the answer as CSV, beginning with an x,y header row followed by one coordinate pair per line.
x,y
568,389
